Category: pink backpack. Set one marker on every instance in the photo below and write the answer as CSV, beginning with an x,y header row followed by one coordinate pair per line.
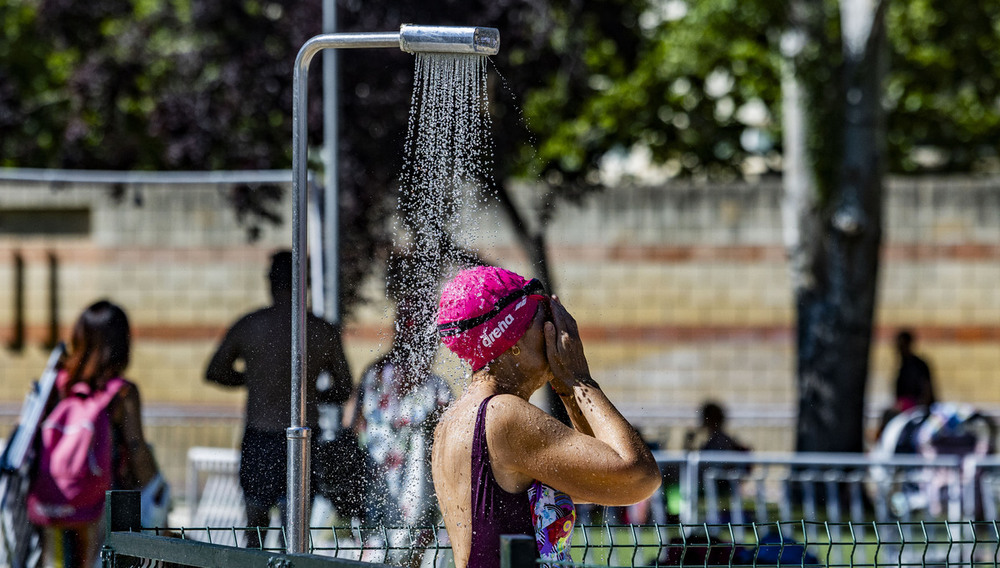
x,y
74,458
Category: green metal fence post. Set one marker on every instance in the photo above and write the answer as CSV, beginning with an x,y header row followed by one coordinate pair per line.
x,y
122,513
517,551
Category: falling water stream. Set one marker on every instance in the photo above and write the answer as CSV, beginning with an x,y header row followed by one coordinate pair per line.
x,y
444,187
446,178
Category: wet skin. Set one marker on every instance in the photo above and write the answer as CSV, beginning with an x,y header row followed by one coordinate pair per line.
x,y
600,460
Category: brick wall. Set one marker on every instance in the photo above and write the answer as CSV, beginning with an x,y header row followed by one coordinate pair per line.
x,y
681,291
692,280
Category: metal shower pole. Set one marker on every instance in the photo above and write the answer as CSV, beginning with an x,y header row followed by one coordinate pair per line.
x,y
331,203
409,38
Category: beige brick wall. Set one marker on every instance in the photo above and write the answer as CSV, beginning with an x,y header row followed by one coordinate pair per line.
x,y
682,293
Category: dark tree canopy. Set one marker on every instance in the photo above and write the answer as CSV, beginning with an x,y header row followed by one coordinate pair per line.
x,y
943,86
192,84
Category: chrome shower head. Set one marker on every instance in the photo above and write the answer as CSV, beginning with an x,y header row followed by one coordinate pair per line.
x,y
449,39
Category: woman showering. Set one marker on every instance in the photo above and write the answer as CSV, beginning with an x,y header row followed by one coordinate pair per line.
x,y
500,464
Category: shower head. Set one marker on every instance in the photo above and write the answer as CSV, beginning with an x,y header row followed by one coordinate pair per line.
x,y
449,39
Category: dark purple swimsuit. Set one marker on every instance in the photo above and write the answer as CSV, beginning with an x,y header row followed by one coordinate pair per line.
x,y
495,512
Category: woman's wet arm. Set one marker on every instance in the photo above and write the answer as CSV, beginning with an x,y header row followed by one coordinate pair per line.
x,y
576,416
587,403
527,440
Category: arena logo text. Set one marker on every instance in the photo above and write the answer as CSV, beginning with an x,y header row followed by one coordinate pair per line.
x,y
502,326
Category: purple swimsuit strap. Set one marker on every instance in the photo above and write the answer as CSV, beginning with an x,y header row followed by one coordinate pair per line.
x,y
495,512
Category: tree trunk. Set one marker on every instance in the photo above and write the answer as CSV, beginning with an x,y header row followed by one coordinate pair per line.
x,y
834,249
531,237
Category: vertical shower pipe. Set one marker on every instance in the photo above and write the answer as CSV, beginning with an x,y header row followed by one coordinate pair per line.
x,y
438,39
331,203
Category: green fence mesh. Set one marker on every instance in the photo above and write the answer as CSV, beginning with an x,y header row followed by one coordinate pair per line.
x,y
790,543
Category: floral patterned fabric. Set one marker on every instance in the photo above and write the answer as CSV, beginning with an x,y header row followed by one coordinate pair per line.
x,y
397,435
553,514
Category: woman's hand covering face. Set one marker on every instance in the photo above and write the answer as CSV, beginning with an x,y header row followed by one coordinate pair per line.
x,y
564,350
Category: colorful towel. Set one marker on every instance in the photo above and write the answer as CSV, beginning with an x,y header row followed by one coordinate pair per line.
x,y
553,515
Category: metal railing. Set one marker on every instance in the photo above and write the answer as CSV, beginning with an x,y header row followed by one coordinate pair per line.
x,y
129,545
717,487
743,487
732,509
394,545
789,543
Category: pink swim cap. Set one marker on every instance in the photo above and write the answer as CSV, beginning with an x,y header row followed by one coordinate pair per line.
x,y
484,311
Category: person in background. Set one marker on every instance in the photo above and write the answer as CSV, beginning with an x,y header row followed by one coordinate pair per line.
x,y
713,422
99,353
503,466
261,343
914,381
716,439
399,401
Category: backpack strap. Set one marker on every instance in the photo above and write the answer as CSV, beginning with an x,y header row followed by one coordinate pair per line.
x,y
110,391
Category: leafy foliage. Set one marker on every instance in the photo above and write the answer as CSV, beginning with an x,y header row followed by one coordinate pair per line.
x,y
943,91
196,84
670,77
579,85
696,85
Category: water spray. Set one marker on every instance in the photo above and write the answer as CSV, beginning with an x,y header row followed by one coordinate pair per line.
x,y
411,39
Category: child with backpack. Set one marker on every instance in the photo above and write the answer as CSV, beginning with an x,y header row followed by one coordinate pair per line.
x,y
90,441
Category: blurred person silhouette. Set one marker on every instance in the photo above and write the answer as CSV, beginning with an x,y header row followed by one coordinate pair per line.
x,y
914,380
713,422
91,395
396,408
260,343
715,439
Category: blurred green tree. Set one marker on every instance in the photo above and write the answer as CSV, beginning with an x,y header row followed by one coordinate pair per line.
x,y
698,85
80,81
